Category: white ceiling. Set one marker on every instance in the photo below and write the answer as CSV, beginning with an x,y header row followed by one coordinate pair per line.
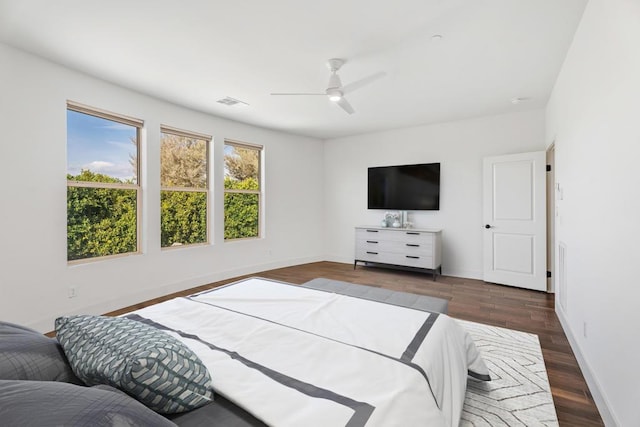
x,y
195,52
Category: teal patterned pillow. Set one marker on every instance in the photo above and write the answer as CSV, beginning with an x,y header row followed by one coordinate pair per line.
x,y
145,362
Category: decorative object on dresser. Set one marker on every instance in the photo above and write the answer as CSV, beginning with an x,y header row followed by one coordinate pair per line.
x,y
406,247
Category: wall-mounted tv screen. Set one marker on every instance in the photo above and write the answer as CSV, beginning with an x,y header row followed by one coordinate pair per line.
x,y
406,187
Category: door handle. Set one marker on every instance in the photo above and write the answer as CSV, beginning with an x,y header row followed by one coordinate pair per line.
x,y
487,226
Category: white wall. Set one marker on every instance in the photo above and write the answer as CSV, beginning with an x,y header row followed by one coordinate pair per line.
x,y
594,117
458,146
34,275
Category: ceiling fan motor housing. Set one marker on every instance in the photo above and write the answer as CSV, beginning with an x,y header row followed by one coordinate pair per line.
x,y
334,82
334,64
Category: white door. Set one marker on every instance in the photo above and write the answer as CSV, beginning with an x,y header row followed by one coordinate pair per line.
x,y
514,214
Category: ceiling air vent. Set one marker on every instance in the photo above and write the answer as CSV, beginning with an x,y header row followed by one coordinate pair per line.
x,y
230,102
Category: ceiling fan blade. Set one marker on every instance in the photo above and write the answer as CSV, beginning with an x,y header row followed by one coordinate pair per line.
x,y
363,82
345,106
299,94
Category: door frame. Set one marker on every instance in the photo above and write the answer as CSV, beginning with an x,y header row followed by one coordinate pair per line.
x,y
551,217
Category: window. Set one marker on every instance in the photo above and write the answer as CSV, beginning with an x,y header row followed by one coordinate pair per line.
x,y
103,191
184,187
241,190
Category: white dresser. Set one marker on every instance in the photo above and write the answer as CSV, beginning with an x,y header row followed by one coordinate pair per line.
x,y
407,247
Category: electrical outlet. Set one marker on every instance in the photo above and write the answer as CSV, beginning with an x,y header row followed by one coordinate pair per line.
x,y
73,291
584,329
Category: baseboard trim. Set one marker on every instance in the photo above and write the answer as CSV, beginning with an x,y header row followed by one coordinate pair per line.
x,y
342,260
600,399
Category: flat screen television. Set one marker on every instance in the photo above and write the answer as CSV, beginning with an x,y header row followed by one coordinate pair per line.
x,y
405,187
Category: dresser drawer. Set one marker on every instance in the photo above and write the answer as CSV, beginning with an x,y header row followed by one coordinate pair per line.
x,y
395,247
371,255
421,261
409,248
372,245
413,260
407,236
411,237
370,233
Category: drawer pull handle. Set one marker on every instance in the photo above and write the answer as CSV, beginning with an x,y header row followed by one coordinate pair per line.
x,y
412,245
372,253
413,233
413,257
371,241
372,231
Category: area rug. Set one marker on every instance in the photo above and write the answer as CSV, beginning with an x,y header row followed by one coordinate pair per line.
x,y
519,393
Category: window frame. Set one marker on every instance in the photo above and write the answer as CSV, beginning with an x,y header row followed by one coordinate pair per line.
x,y
207,139
138,124
258,192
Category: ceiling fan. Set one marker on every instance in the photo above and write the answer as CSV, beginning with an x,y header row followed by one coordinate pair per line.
x,y
335,91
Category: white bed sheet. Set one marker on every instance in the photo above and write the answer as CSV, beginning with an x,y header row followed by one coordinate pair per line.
x,y
294,356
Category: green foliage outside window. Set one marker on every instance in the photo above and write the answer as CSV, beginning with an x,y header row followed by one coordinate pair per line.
x,y
184,217
100,221
241,209
242,192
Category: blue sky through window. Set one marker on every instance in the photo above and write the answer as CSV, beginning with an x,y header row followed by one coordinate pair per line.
x,y
99,145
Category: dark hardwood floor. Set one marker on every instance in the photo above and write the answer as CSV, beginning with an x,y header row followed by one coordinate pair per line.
x,y
474,300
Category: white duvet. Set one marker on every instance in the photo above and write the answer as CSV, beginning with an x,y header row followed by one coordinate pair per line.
x,y
294,356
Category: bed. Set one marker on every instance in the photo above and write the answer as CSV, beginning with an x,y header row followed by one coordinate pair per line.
x,y
285,355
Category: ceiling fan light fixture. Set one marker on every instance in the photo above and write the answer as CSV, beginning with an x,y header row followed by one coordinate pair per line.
x,y
334,95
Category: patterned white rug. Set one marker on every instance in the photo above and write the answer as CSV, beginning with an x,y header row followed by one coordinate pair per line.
x,y
519,393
